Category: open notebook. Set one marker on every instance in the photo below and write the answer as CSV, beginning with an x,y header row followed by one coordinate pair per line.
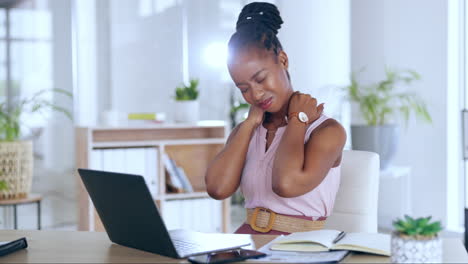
x,y
322,240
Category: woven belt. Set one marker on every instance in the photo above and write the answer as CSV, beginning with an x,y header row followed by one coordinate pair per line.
x,y
263,220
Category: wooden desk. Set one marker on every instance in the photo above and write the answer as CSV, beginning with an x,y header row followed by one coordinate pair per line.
x,y
95,247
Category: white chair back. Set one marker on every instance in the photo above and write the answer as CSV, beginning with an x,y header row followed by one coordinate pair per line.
x,y
355,207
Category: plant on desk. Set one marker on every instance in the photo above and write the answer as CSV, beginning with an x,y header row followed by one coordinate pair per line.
x,y
416,241
16,155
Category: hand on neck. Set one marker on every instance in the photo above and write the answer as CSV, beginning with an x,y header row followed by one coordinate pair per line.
x,y
280,118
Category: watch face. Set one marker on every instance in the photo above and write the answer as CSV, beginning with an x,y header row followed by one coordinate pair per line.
x,y
303,117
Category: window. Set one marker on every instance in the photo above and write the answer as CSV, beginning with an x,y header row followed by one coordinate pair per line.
x,y
25,51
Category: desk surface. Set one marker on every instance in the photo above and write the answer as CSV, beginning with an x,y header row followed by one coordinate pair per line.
x,y
95,247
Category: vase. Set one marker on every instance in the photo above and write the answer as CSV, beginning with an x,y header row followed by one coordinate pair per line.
x,y
410,250
16,168
382,140
186,111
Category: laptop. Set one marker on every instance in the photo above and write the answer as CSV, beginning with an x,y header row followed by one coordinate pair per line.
x,y
131,218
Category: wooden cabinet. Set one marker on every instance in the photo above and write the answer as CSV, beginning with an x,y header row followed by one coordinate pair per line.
x,y
192,147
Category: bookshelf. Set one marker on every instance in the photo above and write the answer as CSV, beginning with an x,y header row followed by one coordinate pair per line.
x,y
192,147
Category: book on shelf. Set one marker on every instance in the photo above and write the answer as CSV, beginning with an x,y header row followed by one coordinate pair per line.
x,y
178,178
173,180
170,187
326,240
184,179
148,117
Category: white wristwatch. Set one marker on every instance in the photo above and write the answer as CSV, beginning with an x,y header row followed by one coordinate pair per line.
x,y
301,116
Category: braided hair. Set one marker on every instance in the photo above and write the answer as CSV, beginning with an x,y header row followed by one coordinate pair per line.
x,y
257,25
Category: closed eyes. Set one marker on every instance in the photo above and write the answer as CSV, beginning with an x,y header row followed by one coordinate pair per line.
x,y
259,80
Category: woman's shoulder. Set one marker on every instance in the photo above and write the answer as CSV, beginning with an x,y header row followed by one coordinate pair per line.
x,y
327,122
331,129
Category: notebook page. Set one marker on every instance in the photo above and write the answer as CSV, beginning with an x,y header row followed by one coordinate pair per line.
x,y
323,237
298,257
369,242
300,247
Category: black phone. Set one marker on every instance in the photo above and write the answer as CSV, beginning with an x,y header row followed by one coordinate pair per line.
x,y
226,256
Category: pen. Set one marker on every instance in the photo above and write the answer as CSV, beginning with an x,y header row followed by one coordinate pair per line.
x,y
339,237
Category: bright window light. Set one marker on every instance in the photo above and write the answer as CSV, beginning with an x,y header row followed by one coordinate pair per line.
x,y
215,55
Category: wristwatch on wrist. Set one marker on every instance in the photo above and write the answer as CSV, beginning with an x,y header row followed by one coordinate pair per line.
x,y
301,116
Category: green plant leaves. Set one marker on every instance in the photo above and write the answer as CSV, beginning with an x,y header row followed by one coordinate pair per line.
x,y
187,93
417,227
378,102
10,118
3,185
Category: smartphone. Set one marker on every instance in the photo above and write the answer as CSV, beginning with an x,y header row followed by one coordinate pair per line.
x,y
226,256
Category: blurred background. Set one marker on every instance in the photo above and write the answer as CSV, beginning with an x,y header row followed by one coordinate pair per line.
x,y
128,56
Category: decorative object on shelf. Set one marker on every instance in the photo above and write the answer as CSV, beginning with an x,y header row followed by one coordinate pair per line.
x,y
379,103
186,103
16,155
416,241
147,117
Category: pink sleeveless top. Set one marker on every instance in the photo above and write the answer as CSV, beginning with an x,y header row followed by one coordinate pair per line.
x,y
256,182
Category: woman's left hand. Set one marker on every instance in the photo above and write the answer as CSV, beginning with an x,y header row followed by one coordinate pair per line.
x,y
300,102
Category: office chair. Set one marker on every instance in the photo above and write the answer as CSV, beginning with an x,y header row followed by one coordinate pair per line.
x,y
355,207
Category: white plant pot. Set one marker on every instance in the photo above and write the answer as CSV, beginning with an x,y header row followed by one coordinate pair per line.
x,y
406,250
186,111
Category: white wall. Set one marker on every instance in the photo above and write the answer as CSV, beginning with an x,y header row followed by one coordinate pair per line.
x,y
146,51
316,37
147,54
145,57
411,34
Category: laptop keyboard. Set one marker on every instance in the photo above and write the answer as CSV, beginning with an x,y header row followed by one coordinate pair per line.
x,y
186,248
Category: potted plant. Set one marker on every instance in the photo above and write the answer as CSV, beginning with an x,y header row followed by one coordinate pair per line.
x,y
380,103
16,155
416,241
186,102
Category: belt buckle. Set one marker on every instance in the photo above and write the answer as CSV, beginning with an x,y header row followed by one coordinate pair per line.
x,y
271,220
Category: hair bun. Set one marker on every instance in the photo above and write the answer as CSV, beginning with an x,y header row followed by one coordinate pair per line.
x,y
259,13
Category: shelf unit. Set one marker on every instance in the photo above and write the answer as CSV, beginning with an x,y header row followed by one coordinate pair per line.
x,y
191,146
